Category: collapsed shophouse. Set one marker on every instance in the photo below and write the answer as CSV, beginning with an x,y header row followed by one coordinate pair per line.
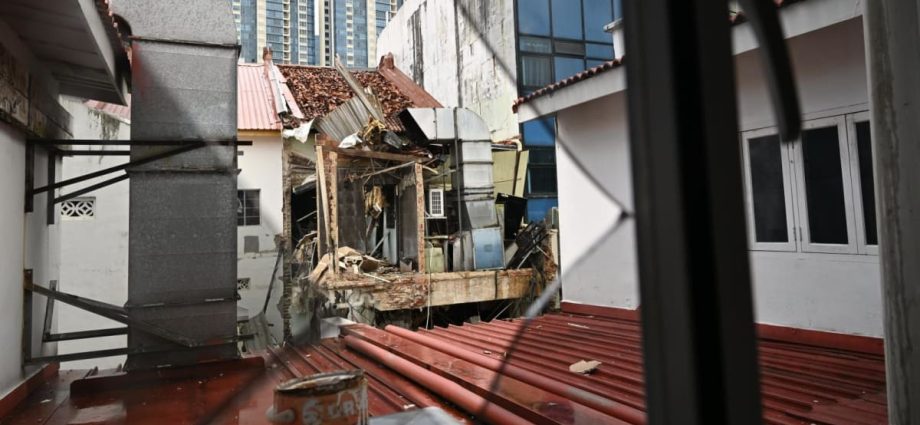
x,y
402,190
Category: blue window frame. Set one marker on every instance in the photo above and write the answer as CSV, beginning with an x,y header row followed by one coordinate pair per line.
x,y
566,67
567,19
598,13
540,132
533,17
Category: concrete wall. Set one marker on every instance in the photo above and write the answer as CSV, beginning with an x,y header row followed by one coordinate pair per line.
x,y
472,64
827,292
25,240
261,168
94,252
598,260
830,292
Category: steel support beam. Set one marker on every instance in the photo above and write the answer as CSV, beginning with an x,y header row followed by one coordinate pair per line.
x,y
70,336
89,189
84,142
112,312
104,171
892,29
697,310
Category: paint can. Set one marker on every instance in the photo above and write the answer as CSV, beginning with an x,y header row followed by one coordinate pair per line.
x,y
335,398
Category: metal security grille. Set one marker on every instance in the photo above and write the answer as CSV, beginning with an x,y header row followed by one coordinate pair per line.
x,y
79,208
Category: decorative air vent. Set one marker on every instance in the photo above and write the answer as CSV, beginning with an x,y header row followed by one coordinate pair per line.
x,y
436,202
79,208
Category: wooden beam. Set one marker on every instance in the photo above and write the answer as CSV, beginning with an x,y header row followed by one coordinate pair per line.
x,y
376,155
322,196
420,217
334,208
452,288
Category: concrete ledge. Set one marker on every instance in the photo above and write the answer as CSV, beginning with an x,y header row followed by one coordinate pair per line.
x,y
452,288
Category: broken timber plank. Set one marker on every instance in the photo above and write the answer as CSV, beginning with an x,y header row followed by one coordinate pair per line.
x,y
452,288
376,155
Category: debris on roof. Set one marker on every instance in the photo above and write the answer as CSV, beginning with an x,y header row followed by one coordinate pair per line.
x,y
456,369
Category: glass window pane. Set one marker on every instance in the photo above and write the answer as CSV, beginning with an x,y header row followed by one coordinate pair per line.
x,y
598,13
567,67
827,220
599,51
533,17
540,132
536,45
570,48
536,71
591,63
542,180
867,180
567,19
768,189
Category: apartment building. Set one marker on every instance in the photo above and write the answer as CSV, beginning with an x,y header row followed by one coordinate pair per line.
x,y
312,32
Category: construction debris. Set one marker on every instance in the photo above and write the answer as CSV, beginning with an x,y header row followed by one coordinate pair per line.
x,y
584,367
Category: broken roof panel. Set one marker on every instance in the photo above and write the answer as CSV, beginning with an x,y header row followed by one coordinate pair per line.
x,y
320,90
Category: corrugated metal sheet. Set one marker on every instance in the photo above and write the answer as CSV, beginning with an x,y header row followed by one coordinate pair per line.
x,y
801,384
255,104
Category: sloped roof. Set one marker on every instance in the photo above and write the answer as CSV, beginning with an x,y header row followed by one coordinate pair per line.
x,y
319,90
800,383
255,103
256,106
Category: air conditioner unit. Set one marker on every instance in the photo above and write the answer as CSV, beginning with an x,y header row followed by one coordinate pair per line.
x,y
436,202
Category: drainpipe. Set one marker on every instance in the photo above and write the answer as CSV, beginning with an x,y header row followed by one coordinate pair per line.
x,y
182,217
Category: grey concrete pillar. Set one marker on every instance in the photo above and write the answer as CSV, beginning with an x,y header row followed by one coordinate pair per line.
x,y
892,31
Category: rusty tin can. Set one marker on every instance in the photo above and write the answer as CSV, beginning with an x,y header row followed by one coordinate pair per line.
x,y
335,398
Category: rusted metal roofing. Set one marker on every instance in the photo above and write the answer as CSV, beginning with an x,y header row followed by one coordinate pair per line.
x,y
455,368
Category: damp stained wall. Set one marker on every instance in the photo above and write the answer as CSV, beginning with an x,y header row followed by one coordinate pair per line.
x,y
462,52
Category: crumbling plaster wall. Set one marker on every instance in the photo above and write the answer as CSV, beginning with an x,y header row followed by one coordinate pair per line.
x,y
462,52
94,251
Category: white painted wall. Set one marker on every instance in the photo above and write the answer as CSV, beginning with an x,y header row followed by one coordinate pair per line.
x,y
598,267
25,240
472,64
827,292
261,168
839,293
94,252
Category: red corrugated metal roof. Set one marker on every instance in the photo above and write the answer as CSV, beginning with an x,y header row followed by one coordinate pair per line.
x,y
801,384
255,103
118,111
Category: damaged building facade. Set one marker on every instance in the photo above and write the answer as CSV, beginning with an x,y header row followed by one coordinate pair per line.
x,y
484,55
412,223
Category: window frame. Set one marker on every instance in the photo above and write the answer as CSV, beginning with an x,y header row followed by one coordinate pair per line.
x,y
801,195
241,196
856,183
788,190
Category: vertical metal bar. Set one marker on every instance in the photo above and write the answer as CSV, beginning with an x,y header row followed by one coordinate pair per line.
x,y
894,87
26,316
697,309
52,176
49,312
30,177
